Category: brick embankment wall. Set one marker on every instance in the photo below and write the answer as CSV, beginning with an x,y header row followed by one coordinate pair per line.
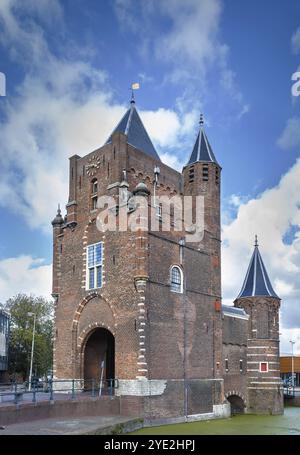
x,y
44,410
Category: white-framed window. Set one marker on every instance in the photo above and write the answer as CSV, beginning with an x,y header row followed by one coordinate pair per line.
x,y
159,211
263,367
176,279
94,266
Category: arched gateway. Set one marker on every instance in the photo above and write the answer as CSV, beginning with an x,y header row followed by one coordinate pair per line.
x,y
99,352
237,404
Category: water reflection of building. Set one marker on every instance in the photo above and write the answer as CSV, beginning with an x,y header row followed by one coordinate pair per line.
x,y
286,368
4,332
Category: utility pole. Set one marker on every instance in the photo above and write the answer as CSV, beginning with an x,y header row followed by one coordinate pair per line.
x,y
32,350
293,374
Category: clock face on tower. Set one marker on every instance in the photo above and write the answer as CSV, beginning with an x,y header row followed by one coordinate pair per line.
x,y
93,165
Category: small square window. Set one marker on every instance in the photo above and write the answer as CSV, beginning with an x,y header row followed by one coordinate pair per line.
x,y
263,367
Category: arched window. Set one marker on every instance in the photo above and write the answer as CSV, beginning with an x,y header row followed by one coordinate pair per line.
x,y
176,279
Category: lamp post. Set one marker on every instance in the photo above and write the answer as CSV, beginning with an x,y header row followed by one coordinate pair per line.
x,y
293,380
32,350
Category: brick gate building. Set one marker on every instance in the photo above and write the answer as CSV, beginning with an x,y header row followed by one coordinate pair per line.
x,y
144,306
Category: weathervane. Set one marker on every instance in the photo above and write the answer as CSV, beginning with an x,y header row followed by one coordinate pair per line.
x,y
134,86
256,241
201,121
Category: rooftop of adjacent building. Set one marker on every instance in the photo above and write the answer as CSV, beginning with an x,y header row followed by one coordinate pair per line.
x,y
257,282
234,312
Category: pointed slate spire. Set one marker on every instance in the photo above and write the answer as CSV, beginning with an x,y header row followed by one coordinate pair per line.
x,y
132,125
257,282
202,150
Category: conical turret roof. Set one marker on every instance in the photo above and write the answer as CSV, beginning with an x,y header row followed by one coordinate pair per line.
x,y
202,150
132,125
257,282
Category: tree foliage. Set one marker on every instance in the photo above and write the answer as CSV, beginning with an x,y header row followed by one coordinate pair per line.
x,y
21,331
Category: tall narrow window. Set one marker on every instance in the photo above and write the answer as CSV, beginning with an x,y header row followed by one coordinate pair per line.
x,y
94,194
159,211
176,279
191,174
241,365
94,265
205,173
226,365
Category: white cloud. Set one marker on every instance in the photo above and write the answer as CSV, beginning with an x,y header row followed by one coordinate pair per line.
x,y
63,107
286,336
24,274
290,137
188,44
172,161
272,215
193,34
296,41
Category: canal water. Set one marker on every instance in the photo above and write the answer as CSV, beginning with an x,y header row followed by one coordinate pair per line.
x,y
288,424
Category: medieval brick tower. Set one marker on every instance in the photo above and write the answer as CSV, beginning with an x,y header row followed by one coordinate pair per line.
x,y
145,304
261,303
142,307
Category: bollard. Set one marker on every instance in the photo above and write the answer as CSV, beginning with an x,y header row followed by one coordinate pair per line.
x,y
34,393
51,389
16,392
73,389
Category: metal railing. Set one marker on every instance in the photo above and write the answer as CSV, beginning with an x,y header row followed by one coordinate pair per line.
x,y
56,389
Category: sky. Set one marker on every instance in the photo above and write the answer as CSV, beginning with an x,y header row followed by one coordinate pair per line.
x,y
69,65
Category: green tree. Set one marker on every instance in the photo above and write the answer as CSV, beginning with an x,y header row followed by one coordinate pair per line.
x,y
21,331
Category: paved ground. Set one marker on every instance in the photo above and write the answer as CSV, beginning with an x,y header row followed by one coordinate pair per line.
x,y
67,426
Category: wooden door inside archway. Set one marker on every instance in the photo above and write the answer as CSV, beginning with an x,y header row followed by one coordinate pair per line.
x,y
99,353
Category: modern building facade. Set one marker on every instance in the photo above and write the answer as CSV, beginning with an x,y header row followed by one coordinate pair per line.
x,y
289,365
144,305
